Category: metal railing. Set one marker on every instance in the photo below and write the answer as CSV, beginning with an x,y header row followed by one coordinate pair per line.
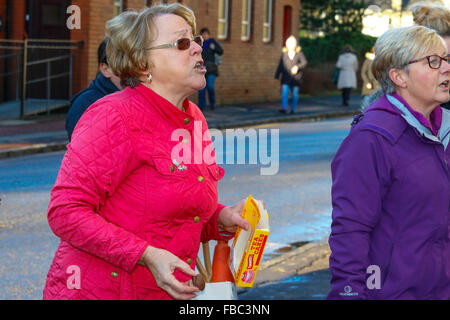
x,y
22,66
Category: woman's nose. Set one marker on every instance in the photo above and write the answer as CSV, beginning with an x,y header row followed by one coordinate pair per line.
x,y
196,48
446,66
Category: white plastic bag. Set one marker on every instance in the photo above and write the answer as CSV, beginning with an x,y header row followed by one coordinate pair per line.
x,y
218,291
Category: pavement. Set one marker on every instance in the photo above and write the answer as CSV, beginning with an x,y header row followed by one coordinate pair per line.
x,y
47,133
295,273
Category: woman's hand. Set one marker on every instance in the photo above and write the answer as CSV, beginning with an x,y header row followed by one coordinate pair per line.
x,y
294,70
230,218
162,264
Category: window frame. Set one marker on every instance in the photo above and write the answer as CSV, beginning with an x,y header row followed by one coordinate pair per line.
x,y
224,20
246,22
118,7
268,12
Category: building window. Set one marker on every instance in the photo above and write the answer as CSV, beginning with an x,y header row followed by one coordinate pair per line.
x,y
149,3
267,26
223,19
118,7
246,20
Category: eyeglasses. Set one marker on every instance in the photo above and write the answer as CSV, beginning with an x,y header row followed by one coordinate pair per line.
x,y
434,61
181,44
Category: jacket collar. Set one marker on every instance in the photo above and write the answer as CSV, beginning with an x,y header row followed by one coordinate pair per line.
x,y
443,133
103,84
179,118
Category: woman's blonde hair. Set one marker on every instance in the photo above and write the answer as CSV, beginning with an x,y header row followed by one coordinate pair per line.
x,y
396,47
432,15
129,36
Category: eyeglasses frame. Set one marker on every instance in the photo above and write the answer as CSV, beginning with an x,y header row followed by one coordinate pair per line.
x,y
175,44
428,59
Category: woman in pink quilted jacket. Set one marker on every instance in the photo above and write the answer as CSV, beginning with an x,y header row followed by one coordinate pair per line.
x,y
129,207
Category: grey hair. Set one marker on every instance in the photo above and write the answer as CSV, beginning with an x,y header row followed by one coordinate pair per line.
x,y
396,47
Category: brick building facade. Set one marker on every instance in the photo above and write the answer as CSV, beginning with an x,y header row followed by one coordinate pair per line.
x,y
251,32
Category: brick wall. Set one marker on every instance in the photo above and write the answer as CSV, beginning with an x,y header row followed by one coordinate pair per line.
x,y
2,51
18,20
16,25
247,70
3,16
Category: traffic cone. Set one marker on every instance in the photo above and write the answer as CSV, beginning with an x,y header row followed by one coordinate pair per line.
x,y
220,269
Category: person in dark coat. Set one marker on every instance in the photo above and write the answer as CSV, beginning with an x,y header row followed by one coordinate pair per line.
x,y
105,83
211,48
292,61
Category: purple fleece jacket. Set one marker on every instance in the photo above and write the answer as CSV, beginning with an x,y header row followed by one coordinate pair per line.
x,y
391,210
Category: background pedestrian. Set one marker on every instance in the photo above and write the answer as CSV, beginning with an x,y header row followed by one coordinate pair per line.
x,y
106,82
370,84
436,17
290,66
211,49
348,65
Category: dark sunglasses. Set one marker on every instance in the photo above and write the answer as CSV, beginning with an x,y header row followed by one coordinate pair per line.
x,y
181,44
434,61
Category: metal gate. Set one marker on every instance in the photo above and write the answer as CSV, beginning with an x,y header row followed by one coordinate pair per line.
x,y
35,75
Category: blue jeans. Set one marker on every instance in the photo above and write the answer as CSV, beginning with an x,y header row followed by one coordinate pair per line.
x,y
210,79
285,96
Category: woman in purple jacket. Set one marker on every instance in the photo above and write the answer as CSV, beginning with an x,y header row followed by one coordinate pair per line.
x,y
391,178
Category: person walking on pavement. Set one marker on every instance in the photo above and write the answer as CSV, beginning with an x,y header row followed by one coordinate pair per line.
x,y
129,212
391,178
436,17
290,66
370,84
347,64
105,83
211,49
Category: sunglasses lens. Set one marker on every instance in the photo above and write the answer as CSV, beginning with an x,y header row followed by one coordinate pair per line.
x,y
183,44
198,40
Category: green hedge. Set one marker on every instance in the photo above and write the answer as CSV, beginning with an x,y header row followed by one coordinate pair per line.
x,y
320,49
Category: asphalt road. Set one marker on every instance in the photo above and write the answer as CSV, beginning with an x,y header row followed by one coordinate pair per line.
x,y
296,193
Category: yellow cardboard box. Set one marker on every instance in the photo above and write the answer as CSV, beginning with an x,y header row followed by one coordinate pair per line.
x,y
248,246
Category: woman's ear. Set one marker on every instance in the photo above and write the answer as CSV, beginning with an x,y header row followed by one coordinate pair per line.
x,y
399,77
105,70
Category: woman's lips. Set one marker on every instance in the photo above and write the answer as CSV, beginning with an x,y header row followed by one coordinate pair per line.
x,y
200,67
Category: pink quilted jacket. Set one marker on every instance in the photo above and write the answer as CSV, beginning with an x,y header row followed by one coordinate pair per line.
x,y
119,190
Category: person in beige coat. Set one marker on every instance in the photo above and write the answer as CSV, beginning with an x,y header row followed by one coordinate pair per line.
x,y
348,65
370,84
